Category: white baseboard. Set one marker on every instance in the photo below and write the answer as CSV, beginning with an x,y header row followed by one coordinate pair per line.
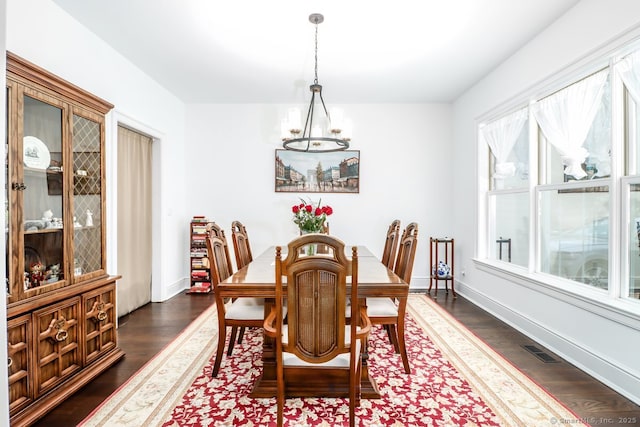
x,y
173,289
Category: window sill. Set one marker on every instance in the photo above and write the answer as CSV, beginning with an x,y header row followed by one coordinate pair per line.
x,y
597,301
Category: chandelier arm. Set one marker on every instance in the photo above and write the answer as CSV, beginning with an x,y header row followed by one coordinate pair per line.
x,y
308,124
324,106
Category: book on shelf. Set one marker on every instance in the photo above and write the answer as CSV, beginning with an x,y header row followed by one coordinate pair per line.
x,y
200,274
200,287
199,218
200,263
199,229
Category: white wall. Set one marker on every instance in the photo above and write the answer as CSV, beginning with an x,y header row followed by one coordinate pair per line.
x,y
405,173
64,47
40,32
585,330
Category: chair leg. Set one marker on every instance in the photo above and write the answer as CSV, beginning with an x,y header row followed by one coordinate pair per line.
x,y
280,401
240,335
353,379
222,335
393,337
388,331
232,340
402,347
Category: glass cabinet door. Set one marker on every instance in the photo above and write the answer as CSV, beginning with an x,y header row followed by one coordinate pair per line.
x,y
42,192
87,195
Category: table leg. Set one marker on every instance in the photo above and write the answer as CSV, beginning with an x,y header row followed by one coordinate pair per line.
x,y
368,386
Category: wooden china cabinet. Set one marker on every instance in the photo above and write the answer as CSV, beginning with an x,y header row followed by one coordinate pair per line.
x,y
60,300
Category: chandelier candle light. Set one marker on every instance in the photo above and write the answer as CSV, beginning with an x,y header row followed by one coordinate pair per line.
x,y
310,138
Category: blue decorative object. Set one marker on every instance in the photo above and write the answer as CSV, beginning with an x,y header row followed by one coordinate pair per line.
x,y
442,270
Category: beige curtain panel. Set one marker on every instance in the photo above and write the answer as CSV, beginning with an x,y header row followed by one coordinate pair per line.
x,y
134,220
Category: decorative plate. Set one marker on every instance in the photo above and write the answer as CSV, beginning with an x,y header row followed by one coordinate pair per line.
x,y
36,154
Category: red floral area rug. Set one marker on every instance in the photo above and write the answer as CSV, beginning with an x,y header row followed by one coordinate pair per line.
x,y
456,380
434,394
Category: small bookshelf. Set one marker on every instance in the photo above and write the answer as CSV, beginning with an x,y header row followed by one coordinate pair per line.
x,y
199,268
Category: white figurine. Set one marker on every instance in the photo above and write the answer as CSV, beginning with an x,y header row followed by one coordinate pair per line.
x,y
89,222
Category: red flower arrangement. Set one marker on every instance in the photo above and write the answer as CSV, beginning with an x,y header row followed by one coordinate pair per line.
x,y
310,218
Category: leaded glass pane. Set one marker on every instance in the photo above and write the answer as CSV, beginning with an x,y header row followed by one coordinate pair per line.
x,y
87,175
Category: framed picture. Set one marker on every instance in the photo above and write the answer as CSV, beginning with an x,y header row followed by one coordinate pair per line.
x,y
331,172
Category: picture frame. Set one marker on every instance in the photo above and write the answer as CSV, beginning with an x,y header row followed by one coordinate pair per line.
x,y
328,172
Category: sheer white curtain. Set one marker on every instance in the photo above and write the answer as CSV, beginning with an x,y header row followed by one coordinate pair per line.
x,y
565,119
629,71
501,135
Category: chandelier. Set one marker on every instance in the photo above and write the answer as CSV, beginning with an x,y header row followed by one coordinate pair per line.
x,y
331,132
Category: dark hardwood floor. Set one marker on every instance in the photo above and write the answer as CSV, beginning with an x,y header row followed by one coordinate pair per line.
x,y
147,330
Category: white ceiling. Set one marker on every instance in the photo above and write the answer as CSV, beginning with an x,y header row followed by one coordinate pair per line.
x,y
369,51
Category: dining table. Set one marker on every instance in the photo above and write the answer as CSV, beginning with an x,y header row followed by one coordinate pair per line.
x,y
257,279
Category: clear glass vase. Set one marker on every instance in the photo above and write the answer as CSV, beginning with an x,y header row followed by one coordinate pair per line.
x,y
310,249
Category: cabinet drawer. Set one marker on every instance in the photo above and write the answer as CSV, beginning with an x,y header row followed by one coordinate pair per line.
x,y
56,344
99,322
19,333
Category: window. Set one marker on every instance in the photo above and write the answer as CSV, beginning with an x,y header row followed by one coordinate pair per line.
x,y
575,123
508,139
570,188
629,70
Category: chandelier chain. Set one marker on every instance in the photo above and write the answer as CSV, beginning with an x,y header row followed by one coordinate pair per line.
x,y
315,80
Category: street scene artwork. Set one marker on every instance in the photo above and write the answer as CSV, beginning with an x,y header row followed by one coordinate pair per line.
x,y
331,172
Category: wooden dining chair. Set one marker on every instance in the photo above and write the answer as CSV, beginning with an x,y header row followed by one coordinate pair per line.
x,y
241,246
317,339
216,231
239,313
391,244
390,312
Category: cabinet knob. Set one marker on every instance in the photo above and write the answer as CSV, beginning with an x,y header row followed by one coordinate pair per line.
x,y
18,186
10,362
102,316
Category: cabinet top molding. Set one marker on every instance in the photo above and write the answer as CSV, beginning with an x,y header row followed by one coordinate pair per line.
x,y
24,69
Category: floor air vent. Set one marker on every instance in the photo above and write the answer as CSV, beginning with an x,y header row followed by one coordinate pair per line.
x,y
540,354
